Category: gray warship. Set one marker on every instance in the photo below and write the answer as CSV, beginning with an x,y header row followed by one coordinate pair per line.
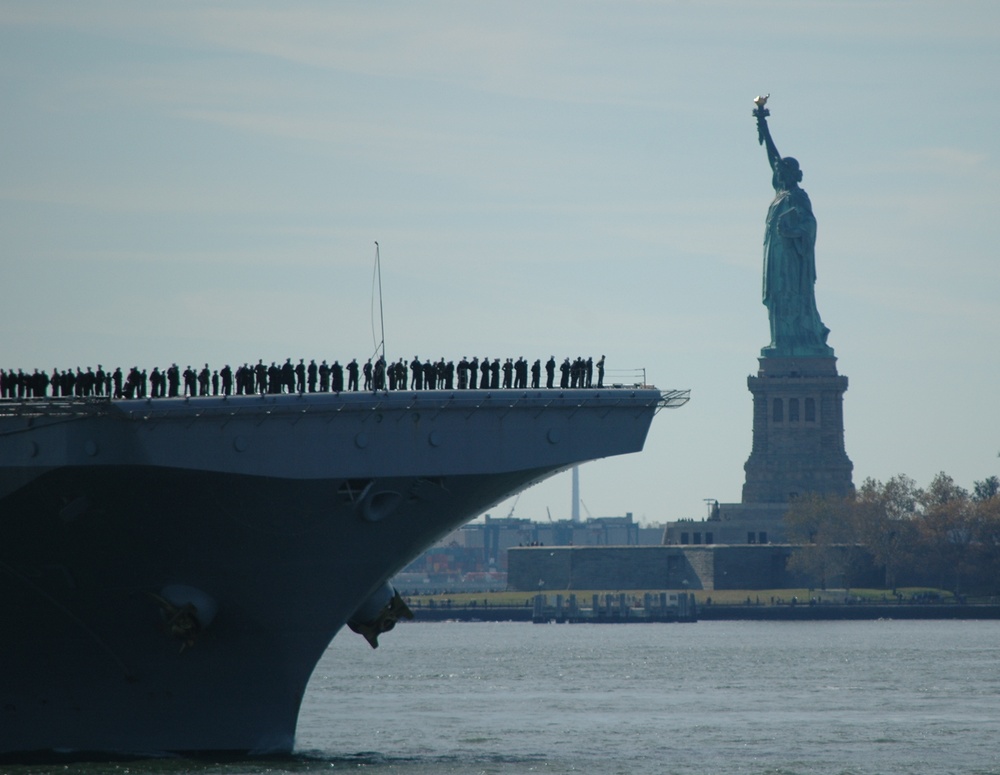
x,y
172,569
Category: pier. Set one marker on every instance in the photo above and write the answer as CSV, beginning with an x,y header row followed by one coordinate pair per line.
x,y
614,609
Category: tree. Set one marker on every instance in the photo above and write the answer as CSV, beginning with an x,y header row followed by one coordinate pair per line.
x,y
885,519
986,489
822,525
986,513
948,529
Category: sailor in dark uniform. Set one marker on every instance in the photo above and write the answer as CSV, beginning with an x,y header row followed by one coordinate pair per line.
x,y
520,373
260,375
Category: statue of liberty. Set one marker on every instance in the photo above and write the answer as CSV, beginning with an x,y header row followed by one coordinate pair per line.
x,y
789,258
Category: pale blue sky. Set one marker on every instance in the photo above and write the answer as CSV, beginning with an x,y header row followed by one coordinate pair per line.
x,y
199,182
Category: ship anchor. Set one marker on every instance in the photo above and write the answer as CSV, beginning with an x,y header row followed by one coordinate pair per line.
x,y
384,621
186,616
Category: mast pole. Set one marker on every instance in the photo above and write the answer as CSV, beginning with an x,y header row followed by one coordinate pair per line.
x,y
381,315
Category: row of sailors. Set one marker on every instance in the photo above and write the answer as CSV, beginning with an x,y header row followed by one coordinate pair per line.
x,y
260,379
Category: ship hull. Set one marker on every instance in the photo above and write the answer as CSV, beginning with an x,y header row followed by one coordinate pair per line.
x,y
272,519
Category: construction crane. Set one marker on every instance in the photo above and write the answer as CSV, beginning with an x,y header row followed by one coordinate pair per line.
x,y
513,506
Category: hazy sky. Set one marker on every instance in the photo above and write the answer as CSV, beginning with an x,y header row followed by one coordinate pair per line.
x,y
205,182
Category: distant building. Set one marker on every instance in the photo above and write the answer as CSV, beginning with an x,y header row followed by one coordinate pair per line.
x,y
475,557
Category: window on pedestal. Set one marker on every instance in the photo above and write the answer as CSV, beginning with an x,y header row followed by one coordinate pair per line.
x,y
793,410
777,410
810,410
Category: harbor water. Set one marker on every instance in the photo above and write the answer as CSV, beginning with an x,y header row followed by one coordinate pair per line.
x,y
713,697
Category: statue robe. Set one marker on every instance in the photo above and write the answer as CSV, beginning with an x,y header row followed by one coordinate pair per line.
x,y
790,277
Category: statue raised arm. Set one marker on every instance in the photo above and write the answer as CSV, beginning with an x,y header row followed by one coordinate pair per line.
x,y
763,133
789,258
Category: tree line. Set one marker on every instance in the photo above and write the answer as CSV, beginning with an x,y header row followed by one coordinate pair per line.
x,y
941,535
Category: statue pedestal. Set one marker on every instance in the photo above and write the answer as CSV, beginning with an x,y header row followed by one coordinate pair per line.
x,y
798,431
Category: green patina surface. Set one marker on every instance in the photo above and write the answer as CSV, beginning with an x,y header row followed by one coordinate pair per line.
x,y
789,259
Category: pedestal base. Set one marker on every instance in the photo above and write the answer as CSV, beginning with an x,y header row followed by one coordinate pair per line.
x,y
798,431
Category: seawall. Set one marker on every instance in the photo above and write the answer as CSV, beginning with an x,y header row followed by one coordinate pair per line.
x,y
855,611
777,613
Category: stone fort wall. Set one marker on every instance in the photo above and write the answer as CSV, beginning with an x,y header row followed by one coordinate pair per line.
x,y
544,568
